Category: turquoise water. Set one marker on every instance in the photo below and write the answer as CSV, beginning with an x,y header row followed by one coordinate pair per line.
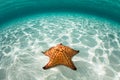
x,y
29,27
17,8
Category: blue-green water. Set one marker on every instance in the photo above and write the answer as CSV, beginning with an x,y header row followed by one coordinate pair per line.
x,y
29,27
16,8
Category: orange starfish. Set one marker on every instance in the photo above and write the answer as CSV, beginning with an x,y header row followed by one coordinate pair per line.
x,y
60,55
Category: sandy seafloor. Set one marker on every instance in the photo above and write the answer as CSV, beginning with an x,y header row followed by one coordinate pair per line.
x,y
97,39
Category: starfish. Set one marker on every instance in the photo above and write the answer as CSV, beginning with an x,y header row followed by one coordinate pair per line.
x,y
60,55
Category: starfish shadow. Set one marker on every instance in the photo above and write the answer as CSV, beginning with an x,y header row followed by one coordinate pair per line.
x,y
84,72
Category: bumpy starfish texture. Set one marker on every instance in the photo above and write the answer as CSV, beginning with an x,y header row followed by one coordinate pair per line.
x,y
60,55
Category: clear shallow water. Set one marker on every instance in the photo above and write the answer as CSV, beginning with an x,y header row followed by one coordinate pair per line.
x,y
23,40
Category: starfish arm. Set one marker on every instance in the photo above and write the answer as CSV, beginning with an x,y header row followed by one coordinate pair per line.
x,y
76,52
48,52
70,65
66,61
49,65
71,52
54,61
